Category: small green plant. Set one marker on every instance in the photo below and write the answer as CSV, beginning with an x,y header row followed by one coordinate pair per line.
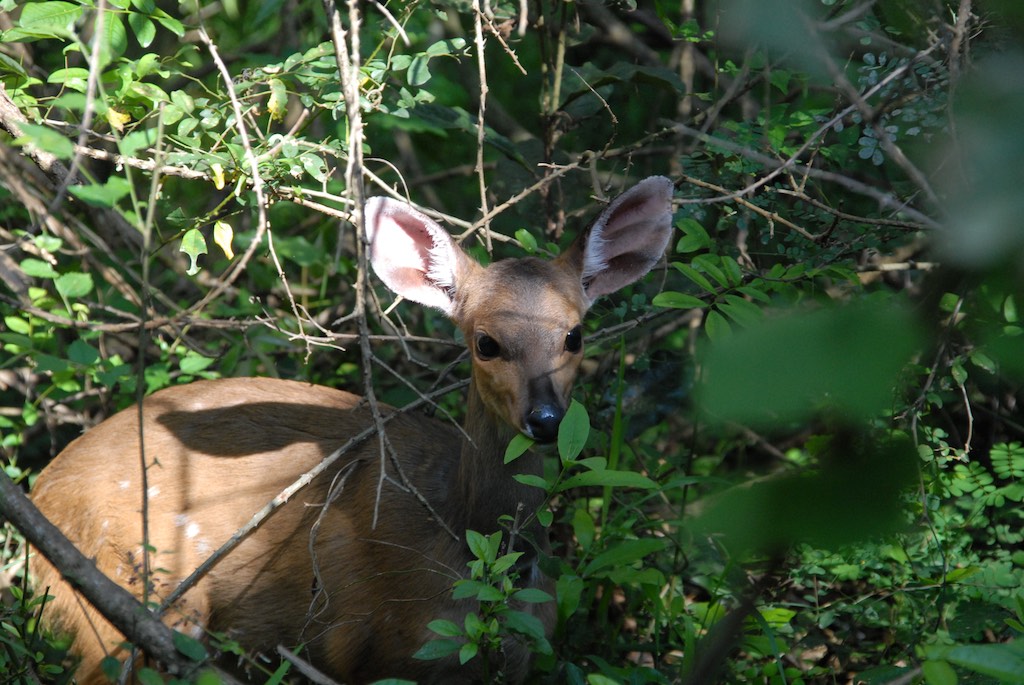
x,y
28,654
491,582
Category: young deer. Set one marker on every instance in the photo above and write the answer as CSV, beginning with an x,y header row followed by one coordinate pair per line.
x,y
358,595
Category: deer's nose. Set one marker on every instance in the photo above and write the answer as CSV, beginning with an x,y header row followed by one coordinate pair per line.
x,y
542,422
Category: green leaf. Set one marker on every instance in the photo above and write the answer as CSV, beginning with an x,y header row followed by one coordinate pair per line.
x,y
437,649
479,545
447,48
53,19
532,595
524,624
598,679
741,311
1002,661
169,23
568,592
149,676
74,284
694,238
193,244
754,294
938,673
315,166
466,588
527,240
854,493
475,627
75,78
848,357
709,264
583,528
189,646
624,479
47,140
958,574
517,446
504,563
468,651
958,372
194,363
445,628
532,480
102,195
83,353
716,326
419,71
19,325
621,553
37,268
115,38
676,300
143,28
573,432
695,276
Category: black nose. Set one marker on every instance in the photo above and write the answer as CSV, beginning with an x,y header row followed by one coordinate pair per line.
x,y
542,422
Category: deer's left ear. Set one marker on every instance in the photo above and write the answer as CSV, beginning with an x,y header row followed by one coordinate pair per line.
x,y
626,239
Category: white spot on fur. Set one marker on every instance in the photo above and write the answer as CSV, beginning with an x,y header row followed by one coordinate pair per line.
x,y
180,520
152,492
124,484
192,530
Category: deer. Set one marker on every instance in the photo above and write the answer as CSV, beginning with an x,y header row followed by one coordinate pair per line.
x,y
352,567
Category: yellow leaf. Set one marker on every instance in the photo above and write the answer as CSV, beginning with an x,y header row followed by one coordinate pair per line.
x,y
222,235
117,119
278,104
218,175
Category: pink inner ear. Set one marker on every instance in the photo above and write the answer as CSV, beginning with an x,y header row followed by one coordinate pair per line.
x,y
411,253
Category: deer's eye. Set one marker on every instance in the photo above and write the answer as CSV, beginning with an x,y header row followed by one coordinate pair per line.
x,y
574,339
486,347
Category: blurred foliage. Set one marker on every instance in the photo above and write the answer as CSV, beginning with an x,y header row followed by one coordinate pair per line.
x,y
805,462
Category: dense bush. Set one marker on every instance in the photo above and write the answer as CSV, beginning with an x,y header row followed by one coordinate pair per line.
x,y
804,458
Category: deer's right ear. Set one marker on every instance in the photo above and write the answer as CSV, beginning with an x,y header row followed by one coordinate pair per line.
x,y
626,239
413,255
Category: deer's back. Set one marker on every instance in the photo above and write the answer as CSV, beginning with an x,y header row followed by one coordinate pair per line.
x,y
318,571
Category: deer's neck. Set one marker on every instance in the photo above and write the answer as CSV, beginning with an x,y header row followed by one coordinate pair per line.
x,y
487,484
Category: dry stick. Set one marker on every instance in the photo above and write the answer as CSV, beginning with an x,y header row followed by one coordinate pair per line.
x,y
346,53
478,38
143,343
772,217
348,65
304,667
114,602
91,85
963,16
804,197
257,185
257,180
